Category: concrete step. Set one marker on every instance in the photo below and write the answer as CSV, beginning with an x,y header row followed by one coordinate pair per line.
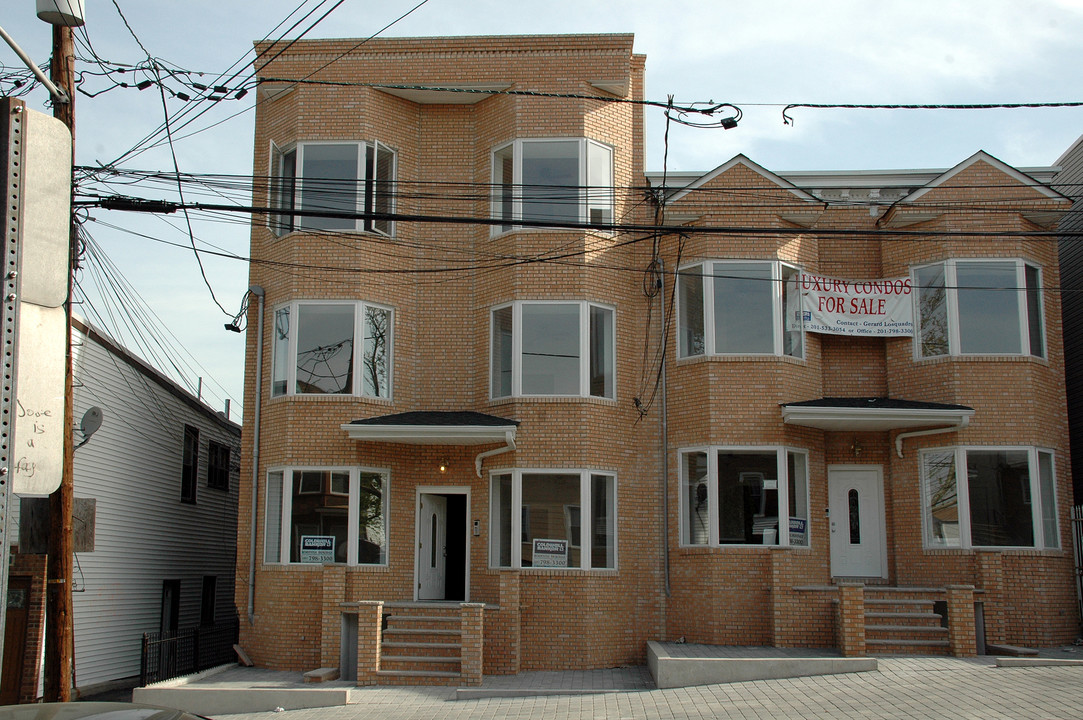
x,y
417,677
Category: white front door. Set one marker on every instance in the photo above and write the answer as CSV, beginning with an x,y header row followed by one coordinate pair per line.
x,y
856,501
431,547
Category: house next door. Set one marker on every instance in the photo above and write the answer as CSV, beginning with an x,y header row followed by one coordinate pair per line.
x,y
856,501
431,547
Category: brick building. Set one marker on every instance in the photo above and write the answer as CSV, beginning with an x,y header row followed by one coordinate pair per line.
x,y
507,388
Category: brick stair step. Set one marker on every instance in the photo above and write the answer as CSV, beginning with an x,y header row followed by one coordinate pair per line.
x,y
897,601
909,615
400,644
423,618
907,628
422,658
421,631
906,643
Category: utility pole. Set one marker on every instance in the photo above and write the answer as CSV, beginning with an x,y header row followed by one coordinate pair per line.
x,y
59,632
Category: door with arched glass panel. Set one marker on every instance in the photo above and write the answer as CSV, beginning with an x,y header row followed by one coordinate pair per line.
x,y
856,500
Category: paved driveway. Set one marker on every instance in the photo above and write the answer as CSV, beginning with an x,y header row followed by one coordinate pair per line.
x,y
903,688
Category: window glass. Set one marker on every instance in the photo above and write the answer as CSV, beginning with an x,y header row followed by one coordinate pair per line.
x,y
1034,311
330,183
500,550
743,308
792,314
503,185
603,518
1000,498
941,499
988,301
374,363
280,362
1047,487
551,181
272,536
697,510
546,496
283,188
602,360
325,348
502,352
600,182
550,349
797,465
932,310
371,523
691,332
747,498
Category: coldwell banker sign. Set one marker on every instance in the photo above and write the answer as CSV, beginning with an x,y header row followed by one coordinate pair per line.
x,y
873,308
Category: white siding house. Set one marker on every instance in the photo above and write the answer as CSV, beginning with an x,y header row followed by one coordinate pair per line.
x,y
165,527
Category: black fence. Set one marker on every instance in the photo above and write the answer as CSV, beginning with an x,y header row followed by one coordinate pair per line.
x,y
1077,542
183,652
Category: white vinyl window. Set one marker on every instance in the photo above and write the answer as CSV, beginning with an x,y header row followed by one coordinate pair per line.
x,y
739,307
553,348
550,179
989,497
335,181
564,519
734,496
979,307
331,347
318,515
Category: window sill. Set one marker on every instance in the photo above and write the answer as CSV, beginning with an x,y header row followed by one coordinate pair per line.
x,y
317,567
556,399
1050,552
696,359
556,572
332,397
726,549
983,359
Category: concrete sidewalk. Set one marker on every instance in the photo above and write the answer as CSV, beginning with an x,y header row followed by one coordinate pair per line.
x,y
949,688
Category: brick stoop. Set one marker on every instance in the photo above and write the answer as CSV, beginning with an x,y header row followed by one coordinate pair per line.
x,y
421,644
905,621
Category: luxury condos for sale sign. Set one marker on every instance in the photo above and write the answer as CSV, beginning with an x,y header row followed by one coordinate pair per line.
x,y
873,308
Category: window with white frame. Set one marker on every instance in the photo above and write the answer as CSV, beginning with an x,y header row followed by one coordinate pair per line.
x,y
739,307
979,307
319,515
989,497
553,348
734,495
314,350
544,512
339,178
552,179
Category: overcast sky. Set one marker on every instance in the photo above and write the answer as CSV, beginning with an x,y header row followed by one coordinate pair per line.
x,y
759,55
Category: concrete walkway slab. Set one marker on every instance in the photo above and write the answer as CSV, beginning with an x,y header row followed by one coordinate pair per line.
x,y
675,665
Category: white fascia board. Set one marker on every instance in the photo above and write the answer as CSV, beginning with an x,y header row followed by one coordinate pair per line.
x,y
871,419
430,434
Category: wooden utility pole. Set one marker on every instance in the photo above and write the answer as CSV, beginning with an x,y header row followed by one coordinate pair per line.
x,y
59,633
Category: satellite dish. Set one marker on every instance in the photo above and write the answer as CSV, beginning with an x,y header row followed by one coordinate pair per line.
x,y
92,420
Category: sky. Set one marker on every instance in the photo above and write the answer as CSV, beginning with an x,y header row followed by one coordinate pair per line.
x,y
759,55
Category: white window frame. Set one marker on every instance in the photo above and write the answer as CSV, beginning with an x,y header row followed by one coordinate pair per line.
x,y
518,514
290,476
962,491
368,188
358,340
782,478
708,273
590,196
584,347
950,266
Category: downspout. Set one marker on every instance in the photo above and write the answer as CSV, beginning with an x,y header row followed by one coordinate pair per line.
x,y
509,439
934,431
665,434
258,292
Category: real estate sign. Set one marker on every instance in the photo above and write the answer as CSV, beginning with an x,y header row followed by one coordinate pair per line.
x,y
873,308
317,548
550,553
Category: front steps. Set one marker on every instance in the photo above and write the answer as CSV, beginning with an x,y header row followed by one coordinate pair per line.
x,y
421,644
907,621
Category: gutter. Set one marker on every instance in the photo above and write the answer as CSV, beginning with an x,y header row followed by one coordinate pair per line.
x,y
933,431
509,440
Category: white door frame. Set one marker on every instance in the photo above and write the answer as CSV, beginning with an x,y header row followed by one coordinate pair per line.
x,y
878,470
440,490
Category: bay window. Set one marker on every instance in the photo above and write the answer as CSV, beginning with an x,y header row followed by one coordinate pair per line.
x,y
334,177
559,180
733,496
979,307
553,348
553,519
314,349
326,515
739,307
989,497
